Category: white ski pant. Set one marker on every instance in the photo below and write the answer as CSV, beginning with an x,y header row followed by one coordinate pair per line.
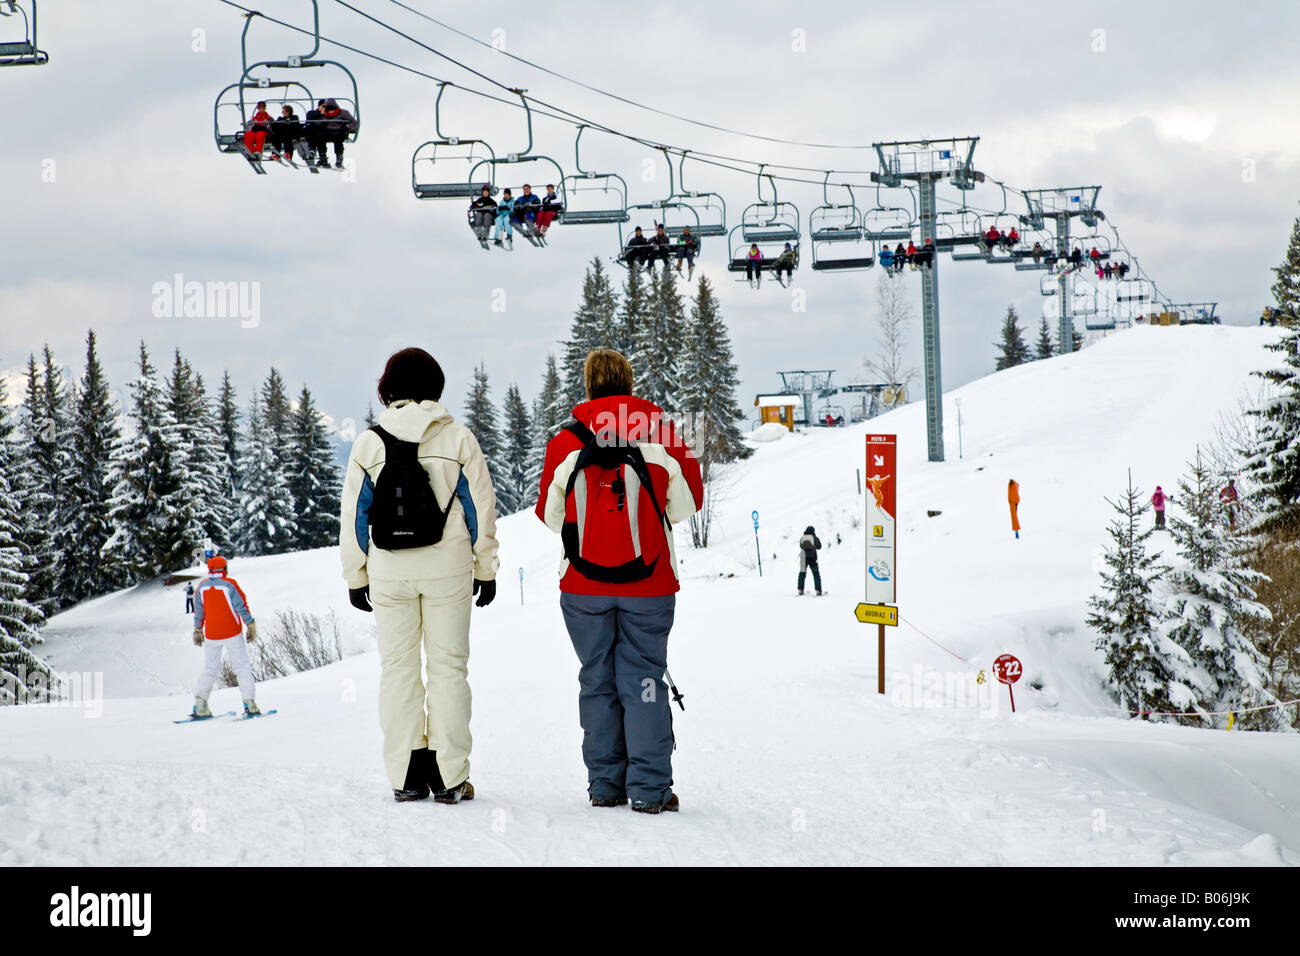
x,y
431,709
238,648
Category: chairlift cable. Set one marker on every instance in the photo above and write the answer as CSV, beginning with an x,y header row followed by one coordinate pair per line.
x,y
623,99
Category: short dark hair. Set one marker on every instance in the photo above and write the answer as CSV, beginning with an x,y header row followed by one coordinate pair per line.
x,y
606,372
411,374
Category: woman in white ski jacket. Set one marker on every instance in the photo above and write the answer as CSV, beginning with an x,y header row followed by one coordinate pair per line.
x,y
421,595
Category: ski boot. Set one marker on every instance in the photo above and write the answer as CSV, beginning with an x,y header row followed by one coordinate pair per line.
x,y
668,806
619,801
201,709
415,786
251,709
464,791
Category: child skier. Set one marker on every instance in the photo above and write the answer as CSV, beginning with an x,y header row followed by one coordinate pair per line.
x,y
189,598
220,614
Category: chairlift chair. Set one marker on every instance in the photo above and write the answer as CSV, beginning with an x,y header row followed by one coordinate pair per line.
x,y
232,109
523,156
24,52
884,223
956,227
832,224
611,186
432,156
770,222
710,208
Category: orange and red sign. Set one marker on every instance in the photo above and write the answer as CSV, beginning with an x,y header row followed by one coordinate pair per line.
x,y
882,511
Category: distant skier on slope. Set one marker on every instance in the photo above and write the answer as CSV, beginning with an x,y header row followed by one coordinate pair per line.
x,y
223,622
809,545
189,598
1013,498
1228,495
1158,501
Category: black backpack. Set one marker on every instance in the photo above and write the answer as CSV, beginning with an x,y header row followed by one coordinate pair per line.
x,y
405,512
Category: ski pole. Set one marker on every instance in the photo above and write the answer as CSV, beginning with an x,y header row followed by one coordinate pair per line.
x,y
678,696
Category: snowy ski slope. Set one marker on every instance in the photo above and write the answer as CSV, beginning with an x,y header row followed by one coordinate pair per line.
x,y
786,753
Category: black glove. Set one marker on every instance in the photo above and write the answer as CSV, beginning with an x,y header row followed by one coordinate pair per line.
x,y
486,591
360,598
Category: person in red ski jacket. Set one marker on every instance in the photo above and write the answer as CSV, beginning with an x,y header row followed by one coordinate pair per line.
x,y
223,624
1228,496
613,483
258,128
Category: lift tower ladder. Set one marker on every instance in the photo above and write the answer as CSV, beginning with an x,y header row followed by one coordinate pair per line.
x,y
926,162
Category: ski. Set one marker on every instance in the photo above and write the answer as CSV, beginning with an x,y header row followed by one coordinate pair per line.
x,y
265,713
198,720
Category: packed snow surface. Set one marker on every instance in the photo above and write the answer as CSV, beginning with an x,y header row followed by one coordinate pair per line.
x,y
786,754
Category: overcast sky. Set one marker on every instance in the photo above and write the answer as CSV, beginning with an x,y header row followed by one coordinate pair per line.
x,y
1182,112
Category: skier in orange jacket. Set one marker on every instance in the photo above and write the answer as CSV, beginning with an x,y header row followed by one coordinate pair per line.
x,y
1013,498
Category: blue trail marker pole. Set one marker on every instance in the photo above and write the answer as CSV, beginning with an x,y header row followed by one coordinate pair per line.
x,y
757,550
521,586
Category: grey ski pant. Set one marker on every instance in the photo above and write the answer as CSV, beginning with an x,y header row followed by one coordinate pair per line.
x,y
623,703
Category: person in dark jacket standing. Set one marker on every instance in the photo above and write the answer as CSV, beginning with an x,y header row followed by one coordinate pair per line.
x,y
809,545
613,482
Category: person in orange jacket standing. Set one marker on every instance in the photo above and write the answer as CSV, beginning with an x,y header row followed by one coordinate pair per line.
x,y
1013,498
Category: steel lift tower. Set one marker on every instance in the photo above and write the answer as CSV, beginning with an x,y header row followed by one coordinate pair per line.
x,y
1060,206
926,162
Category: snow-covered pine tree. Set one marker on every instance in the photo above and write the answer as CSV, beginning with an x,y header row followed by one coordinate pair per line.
x,y
1147,671
266,522
228,430
94,432
152,515
371,420
1210,595
595,325
1044,347
36,485
711,416
515,493
202,477
481,420
657,345
549,416
1286,290
1077,338
21,671
219,510
1274,462
314,478
1012,350
632,312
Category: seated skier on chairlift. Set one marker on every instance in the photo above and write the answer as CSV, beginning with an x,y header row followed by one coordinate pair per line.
x,y
1011,239
925,255
333,125
1037,252
786,262
911,255
551,207
525,210
900,257
504,208
286,130
754,265
482,213
992,238
1095,255
660,247
687,246
256,130
637,252
887,258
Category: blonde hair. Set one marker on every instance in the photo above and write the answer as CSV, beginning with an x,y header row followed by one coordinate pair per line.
x,y
607,372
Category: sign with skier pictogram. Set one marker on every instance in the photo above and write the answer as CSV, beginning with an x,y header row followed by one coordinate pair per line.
x,y
882,545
